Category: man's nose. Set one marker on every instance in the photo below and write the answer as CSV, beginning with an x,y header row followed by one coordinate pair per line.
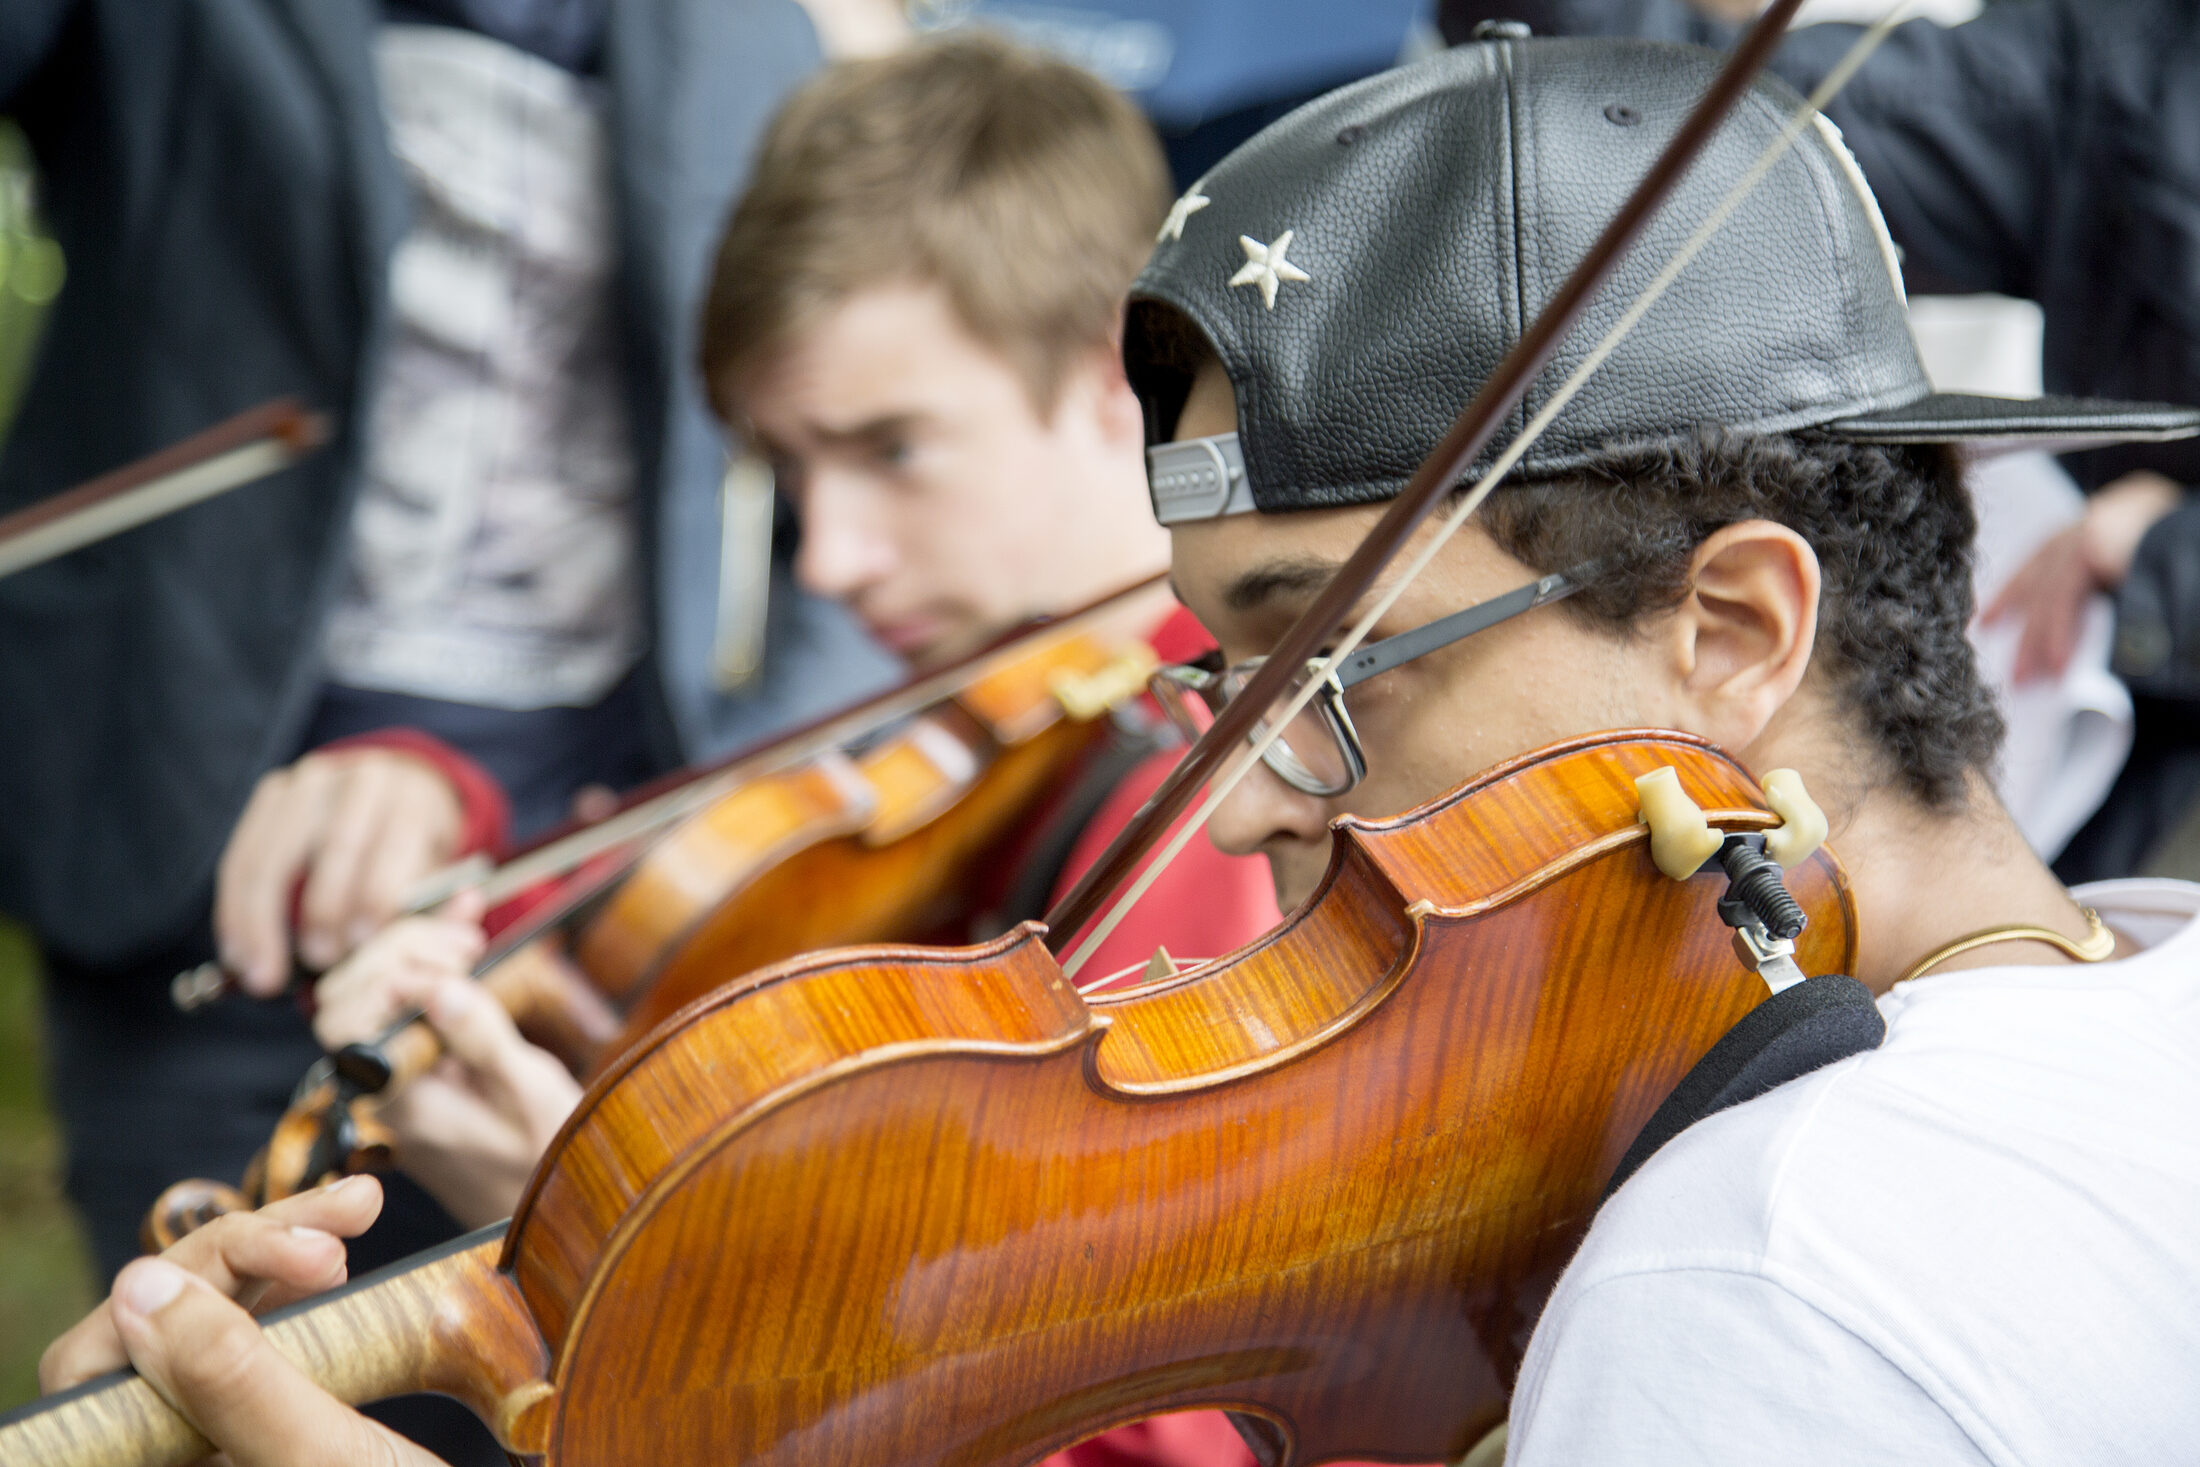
x,y
1262,808
841,552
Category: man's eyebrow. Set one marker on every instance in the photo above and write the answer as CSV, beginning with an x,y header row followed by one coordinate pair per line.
x,y
1297,577
887,425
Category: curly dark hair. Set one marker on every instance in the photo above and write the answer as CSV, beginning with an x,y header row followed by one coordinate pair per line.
x,y
1892,528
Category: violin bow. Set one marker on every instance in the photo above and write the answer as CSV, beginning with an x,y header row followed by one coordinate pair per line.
x,y
683,792
674,797
1234,729
249,446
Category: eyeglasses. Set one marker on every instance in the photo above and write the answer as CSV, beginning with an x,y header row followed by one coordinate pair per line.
x,y
1320,752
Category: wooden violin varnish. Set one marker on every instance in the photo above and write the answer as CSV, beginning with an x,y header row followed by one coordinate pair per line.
x,y
1324,1182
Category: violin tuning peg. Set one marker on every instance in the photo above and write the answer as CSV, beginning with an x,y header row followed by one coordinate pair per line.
x,y
373,1145
1802,828
1086,696
1681,840
185,1208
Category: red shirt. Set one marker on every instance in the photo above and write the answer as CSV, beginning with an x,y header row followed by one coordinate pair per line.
x,y
1206,903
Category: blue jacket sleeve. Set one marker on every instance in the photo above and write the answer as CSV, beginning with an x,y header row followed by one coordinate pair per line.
x,y
1955,127
27,32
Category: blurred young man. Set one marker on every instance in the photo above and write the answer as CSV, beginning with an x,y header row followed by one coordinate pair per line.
x,y
1887,1259
474,233
914,316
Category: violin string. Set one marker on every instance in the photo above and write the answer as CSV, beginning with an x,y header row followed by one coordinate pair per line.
x,y
1272,728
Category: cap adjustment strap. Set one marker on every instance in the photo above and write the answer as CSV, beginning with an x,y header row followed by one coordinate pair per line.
x,y
1198,479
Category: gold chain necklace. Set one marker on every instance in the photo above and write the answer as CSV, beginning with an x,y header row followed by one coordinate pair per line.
x,y
2097,944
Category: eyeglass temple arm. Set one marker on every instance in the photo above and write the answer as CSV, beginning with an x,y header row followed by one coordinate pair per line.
x,y
1380,657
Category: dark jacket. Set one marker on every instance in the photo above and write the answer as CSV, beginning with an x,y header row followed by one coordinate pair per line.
x,y
218,176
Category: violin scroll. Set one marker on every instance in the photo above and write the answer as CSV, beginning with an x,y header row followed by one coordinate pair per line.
x,y
185,1208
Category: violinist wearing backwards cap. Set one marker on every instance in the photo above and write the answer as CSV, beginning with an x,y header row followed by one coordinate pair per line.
x,y
2032,152
1753,528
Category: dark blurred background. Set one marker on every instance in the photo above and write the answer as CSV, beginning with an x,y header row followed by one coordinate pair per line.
x,y
45,1272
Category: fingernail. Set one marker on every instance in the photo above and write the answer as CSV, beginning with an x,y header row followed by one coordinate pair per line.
x,y
305,1234
149,1285
342,1188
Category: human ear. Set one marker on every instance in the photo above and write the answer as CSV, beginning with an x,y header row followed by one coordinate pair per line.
x,y
1121,416
1741,639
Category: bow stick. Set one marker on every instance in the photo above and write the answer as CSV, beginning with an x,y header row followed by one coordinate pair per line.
x,y
249,446
672,798
1437,475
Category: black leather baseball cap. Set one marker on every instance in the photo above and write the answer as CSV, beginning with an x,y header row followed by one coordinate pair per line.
x,y
1362,265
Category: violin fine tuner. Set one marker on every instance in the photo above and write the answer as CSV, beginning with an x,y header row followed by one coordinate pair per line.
x,y
1765,918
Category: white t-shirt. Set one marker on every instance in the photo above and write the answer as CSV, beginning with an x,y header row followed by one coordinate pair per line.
x,y
1979,1243
493,557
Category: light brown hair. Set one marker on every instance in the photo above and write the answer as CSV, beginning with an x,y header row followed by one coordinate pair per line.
x,y
1023,187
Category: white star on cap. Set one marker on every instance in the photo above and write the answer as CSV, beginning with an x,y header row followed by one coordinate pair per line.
x,y
1266,267
1183,209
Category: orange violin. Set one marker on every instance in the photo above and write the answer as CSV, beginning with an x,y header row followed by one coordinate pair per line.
x,y
932,1206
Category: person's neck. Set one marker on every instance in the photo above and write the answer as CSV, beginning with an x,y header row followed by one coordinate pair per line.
x,y
1922,878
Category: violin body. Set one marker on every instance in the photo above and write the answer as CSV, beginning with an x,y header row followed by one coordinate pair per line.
x,y
877,846
932,1206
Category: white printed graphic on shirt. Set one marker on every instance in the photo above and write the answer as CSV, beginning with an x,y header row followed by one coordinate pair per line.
x,y
493,548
